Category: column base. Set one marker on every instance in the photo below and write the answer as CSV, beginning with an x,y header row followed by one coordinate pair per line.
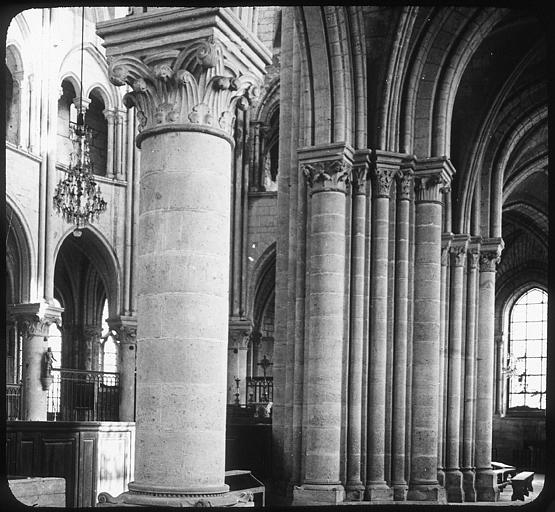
x,y
314,494
441,477
132,499
354,491
427,492
400,490
468,485
486,485
379,491
454,486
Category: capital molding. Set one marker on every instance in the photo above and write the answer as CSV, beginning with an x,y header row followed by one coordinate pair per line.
x,y
385,166
81,101
92,332
125,328
405,178
359,173
458,249
431,177
188,69
474,251
490,253
240,330
35,319
446,239
327,167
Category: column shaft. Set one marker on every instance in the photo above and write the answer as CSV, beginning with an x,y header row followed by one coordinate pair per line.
x,y
355,487
430,176
453,475
183,280
469,377
399,415
376,487
486,487
323,399
109,115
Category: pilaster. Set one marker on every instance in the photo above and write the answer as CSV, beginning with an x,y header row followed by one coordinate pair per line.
x,y
109,115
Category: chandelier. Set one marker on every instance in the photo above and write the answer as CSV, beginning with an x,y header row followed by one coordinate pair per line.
x,y
77,197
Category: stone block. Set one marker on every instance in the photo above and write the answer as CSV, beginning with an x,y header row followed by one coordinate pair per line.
x,y
39,492
318,495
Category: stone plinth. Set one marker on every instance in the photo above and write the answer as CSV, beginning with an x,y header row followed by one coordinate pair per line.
x,y
39,492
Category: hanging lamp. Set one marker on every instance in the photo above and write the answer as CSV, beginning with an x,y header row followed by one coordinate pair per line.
x,y
77,197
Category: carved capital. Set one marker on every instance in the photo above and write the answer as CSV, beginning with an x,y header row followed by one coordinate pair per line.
x,y
35,319
190,87
490,254
446,239
239,339
329,175
359,172
109,115
458,250
432,176
125,328
92,332
382,177
405,181
473,252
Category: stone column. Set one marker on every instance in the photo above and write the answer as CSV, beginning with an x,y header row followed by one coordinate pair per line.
x,y
238,344
118,148
34,321
400,333
109,115
486,487
453,475
384,170
354,486
126,329
445,246
327,169
90,347
469,373
431,176
186,85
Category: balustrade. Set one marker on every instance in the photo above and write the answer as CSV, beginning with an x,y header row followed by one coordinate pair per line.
x,y
13,401
79,395
260,390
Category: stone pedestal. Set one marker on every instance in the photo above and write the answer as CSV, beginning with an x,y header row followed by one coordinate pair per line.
x,y
328,171
486,485
431,176
34,321
187,79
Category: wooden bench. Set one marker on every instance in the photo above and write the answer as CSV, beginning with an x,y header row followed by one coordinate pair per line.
x,y
522,485
503,473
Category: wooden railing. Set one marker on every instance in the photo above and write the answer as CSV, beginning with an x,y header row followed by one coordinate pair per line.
x,y
81,395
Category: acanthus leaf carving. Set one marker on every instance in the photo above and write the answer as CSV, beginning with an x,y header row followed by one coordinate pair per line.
x,y
327,175
196,88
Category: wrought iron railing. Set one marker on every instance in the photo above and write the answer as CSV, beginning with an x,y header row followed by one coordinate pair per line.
x,y
83,395
260,390
13,401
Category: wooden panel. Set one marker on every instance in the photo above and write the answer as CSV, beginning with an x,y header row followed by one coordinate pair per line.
x,y
27,455
58,458
11,453
87,469
114,462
